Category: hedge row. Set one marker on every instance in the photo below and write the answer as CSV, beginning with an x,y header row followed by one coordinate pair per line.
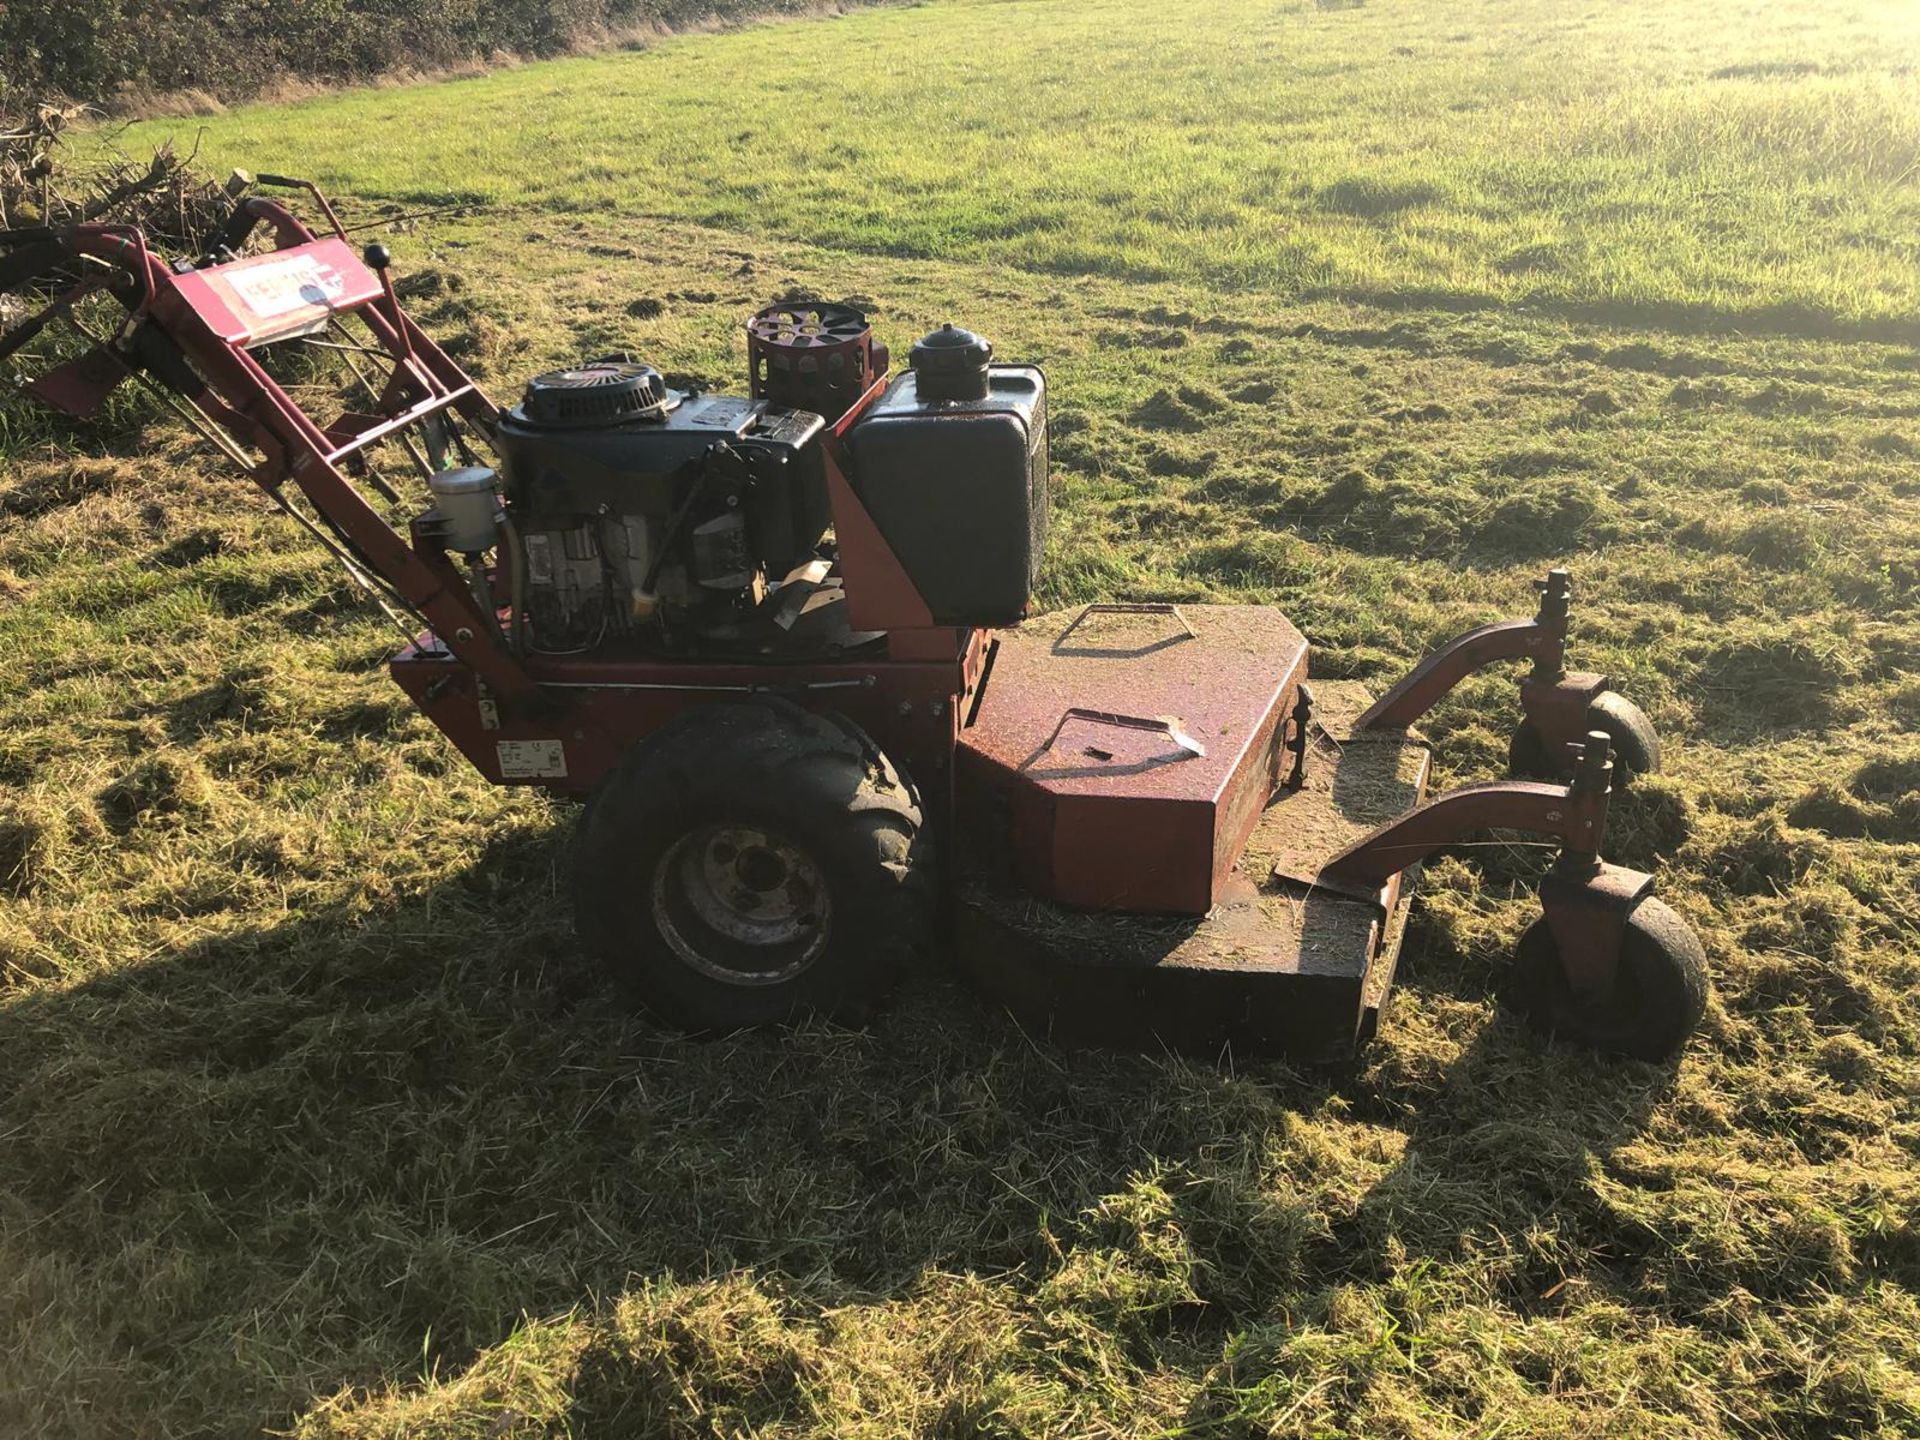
x,y
108,50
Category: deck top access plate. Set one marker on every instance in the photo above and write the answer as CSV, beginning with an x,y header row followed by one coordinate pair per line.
x,y
1121,753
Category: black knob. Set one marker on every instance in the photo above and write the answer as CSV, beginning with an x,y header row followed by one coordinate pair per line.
x,y
377,256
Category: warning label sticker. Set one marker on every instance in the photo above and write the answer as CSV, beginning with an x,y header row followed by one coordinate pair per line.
x,y
532,760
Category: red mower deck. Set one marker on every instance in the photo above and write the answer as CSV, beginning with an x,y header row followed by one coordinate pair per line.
x,y
1285,959
1120,754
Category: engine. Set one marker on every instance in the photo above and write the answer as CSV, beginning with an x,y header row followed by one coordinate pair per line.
x,y
640,507
641,511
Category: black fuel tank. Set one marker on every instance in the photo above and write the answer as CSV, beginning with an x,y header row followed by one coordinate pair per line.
x,y
959,489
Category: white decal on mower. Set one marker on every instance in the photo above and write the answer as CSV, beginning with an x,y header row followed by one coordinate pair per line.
x,y
532,759
279,287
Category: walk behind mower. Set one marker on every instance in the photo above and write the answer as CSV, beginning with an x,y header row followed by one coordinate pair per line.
x,y
780,645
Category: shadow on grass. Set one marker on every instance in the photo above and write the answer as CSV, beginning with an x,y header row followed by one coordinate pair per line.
x,y
367,1143
1490,1209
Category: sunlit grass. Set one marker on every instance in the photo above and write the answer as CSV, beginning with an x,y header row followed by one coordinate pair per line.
x,y
1689,161
313,1117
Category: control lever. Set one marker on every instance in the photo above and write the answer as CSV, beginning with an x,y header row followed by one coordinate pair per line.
x,y
380,260
293,182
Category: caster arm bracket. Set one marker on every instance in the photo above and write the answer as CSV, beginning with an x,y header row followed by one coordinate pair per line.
x,y
1543,640
1586,900
1505,805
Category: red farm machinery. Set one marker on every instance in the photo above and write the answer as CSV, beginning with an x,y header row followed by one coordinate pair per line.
x,y
779,644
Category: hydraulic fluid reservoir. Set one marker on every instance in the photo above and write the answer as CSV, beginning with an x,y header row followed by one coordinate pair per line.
x,y
951,463
467,500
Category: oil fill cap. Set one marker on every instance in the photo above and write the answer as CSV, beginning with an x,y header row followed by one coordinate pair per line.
x,y
951,364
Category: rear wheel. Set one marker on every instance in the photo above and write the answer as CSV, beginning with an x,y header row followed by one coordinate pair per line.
x,y
1636,744
750,863
1658,995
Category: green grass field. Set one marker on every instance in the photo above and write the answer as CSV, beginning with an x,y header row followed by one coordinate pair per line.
x,y
313,1119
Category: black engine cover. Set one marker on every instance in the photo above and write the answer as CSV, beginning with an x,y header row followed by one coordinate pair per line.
x,y
642,467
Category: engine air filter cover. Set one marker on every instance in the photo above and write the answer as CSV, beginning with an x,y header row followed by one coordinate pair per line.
x,y
607,392
813,355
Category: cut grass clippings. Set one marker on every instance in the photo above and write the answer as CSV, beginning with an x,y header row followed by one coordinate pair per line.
x,y
314,1119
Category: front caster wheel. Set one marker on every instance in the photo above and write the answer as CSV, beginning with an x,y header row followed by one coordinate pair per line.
x,y
750,863
1659,991
1636,744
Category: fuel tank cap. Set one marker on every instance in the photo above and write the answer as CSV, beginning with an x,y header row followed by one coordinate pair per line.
x,y
951,364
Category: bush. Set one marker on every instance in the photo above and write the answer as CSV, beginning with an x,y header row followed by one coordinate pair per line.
x,y
103,50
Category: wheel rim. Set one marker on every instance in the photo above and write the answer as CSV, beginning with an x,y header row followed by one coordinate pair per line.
x,y
741,904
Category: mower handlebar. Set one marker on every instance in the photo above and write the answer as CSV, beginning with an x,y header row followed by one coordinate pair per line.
x,y
294,182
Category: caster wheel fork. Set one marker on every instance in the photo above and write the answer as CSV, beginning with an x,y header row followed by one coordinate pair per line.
x,y
1607,964
1642,1003
1635,743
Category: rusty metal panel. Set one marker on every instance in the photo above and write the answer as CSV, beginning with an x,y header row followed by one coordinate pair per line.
x,y
1280,963
595,707
1141,740
1170,841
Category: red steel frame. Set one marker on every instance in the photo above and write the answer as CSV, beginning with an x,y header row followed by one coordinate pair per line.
x,y
909,696
1552,698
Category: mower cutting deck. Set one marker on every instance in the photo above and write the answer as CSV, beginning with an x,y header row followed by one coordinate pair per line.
x,y
1282,959
781,644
